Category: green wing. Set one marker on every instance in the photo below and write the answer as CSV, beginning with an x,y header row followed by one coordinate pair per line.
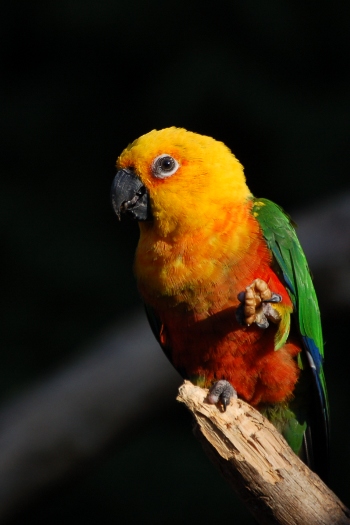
x,y
280,235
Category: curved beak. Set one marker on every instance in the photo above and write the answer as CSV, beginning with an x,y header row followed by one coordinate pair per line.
x,y
130,196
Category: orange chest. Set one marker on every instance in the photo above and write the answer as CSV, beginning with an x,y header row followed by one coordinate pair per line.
x,y
215,328
202,272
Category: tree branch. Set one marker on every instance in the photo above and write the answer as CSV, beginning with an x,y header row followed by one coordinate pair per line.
x,y
254,458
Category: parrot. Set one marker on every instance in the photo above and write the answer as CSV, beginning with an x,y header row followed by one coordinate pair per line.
x,y
225,284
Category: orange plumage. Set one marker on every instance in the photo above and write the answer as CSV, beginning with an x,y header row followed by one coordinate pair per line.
x,y
202,248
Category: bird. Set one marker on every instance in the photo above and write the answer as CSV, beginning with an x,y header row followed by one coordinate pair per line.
x,y
225,284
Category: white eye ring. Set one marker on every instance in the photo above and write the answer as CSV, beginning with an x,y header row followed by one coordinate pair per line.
x,y
164,166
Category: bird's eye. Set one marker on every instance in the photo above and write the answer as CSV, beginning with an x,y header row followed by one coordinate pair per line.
x,y
164,166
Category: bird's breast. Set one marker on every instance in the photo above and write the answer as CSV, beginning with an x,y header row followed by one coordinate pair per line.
x,y
202,269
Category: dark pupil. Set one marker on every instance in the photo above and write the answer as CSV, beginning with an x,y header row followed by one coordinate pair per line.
x,y
167,164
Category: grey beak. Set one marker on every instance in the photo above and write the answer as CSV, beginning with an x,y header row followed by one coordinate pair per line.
x,y
130,196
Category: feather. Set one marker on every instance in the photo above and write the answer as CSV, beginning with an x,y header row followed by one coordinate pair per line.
x,y
279,233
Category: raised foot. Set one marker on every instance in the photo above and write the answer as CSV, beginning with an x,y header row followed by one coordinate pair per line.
x,y
256,305
222,391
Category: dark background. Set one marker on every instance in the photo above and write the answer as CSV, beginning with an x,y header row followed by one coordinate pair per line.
x,y
80,80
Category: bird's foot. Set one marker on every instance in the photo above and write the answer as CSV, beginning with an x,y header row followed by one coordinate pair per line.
x,y
256,305
221,392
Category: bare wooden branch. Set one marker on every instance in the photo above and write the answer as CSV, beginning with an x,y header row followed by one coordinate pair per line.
x,y
254,458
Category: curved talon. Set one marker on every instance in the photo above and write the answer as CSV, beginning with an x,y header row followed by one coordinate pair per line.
x,y
262,322
255,305
275,298
221,391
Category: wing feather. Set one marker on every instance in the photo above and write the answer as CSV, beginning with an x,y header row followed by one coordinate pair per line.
x,y
279,232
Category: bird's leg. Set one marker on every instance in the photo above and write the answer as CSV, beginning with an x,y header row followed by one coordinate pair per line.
x,y
255,308
256,305
221,392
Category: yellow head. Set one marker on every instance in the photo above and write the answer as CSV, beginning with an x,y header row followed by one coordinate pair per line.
x,y
190,179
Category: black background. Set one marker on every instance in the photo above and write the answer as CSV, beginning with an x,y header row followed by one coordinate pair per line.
x,y
80,80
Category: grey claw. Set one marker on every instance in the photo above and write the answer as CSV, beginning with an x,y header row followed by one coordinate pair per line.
x,y
270,313
241,297
240,314
263,323
275,298
221,391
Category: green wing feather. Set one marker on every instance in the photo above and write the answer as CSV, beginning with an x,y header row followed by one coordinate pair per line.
x,y
292,267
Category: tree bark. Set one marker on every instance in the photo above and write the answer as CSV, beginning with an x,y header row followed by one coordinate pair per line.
x,y
276,486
